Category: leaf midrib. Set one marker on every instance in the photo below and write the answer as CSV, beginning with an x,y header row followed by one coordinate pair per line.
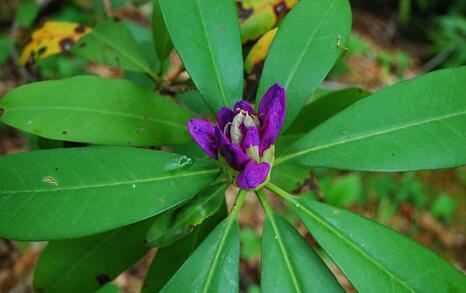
x,y
308,44
285,158
218,251
105,112
351,244
213,60
284,254
136,181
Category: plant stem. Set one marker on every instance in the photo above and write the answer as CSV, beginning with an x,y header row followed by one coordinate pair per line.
x,y
280,192
264,203
238,203
154,76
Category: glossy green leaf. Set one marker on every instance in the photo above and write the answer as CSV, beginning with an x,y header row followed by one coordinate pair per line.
x,y
112,44
289,264
145,41
96,110
214,266
193,100
308,42
169,259
163,44
290,176
373,257
413,125
324,108
284,141
206,35
69,193
85,264
172,226
191,149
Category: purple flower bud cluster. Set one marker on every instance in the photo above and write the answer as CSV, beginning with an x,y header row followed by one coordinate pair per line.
x,y
243,139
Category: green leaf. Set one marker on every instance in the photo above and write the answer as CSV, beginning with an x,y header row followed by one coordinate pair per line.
x,y
373,257
413,125
169,259
85,264
289,264
96,110
290,176
112,44
284,141
143,37
172,226
163,44
324,108
191,149
193,100
27,12
69,193
214,266
313,35
206,35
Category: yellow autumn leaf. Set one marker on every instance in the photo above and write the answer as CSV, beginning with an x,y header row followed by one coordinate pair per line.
x,y
257,17
259,51
53,37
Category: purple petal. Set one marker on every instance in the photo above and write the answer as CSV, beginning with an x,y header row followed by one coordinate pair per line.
x,y
272,115
203,133
253,175
224,116
251,138
274,96
232,153
244,106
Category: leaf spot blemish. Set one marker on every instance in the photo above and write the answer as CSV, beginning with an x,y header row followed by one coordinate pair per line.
x,y
41,51
29,122
140,129
64,132
32,58
243,13
50,180
79,29
133,186
103,279
82,45
66,44
2,111
280,10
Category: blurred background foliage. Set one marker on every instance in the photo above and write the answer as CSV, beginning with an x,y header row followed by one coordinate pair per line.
x,y
392,40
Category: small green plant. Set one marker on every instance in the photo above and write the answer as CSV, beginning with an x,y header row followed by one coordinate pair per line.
x,y
105,205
